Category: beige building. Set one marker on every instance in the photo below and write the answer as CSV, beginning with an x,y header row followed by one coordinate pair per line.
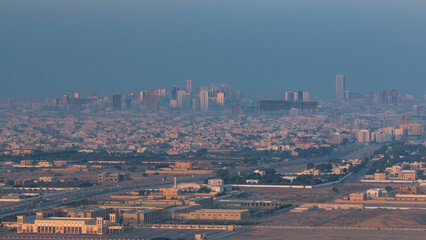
x,y
376,192
380,176
59,163
357,197
409,175
143,216
47,179
89,213
216,214
61,225
111,177
26,162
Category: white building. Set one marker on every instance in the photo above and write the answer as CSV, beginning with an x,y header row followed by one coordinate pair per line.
x,y
204,100
363,136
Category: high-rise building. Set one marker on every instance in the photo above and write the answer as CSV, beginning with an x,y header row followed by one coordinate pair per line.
x,y
65,99
10,103
186,102
180,95
340,87
128,102
289,96
195,104
236,109
298,96
151,100
306,96
189,86
117,101
392,97
238,95
363,136
76,95
204,100
175,91
220,98
141,96
347,95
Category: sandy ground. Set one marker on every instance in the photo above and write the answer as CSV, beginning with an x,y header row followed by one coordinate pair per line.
x,y
352,218
314,195
316,234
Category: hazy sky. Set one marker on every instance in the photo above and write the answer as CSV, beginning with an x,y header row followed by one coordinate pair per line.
x,y
48,48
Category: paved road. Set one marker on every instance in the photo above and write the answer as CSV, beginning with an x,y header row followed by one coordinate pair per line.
x,y
369,150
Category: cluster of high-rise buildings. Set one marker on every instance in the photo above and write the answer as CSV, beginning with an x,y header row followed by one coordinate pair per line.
x,y
205,98
383,97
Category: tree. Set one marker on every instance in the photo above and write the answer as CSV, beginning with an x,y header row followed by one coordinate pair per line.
x,y
201,152
222,173
204,189
310,165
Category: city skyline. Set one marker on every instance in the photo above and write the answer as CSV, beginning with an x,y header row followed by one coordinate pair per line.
x,y
243,119
107,55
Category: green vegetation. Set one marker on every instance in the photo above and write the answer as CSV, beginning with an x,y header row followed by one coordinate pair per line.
x,y
67,184
397,153
79,203
272,178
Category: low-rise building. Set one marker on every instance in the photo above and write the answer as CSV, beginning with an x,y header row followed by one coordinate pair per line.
x,y
376,192
380,176
111,177
357,197
142,216
47,179
217,214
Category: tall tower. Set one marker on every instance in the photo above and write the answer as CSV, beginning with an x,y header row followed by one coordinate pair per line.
x,y
141,96
189,86
180,95
151,101
340,87
175,92
117,101
236,109
289,96
306,97
204,100
220,98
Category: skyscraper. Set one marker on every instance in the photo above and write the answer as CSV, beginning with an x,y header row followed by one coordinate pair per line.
x,y
289,96
189,86
306,97
186,102
180,95
116,101
10,103
220,98
236,109
204,100
151,101
298,96
175,91
340,87
141,96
